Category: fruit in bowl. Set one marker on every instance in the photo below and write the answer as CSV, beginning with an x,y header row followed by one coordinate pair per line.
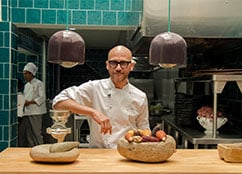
x,y
147,146
205,119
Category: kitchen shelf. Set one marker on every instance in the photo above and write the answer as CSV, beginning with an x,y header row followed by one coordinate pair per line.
x,y
218,82
196,137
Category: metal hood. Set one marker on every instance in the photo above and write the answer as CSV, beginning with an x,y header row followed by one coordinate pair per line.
x,y
196,20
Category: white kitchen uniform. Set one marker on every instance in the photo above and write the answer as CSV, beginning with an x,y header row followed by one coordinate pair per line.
x,y
30,128
35,90
127,108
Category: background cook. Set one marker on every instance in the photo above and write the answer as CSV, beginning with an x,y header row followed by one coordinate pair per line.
x,y
30,128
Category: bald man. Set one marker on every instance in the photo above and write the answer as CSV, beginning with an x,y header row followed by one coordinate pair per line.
x,y
112,106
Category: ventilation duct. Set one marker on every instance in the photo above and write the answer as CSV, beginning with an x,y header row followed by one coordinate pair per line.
x,y
191,19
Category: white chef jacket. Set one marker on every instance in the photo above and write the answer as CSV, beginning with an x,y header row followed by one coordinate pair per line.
x,y
126,108
35,90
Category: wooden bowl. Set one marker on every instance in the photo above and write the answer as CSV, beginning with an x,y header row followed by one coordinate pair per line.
x,y
147,151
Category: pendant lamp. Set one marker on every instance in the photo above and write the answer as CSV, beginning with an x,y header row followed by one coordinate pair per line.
x,y
168,49
66,47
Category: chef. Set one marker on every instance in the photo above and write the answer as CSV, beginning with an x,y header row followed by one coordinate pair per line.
x,y
30,128
113,105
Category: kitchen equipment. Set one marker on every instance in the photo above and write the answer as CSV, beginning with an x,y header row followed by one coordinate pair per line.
x,y
59,130
202,24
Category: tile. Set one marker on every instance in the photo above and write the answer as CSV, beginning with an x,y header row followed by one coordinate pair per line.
x,y
4,56
128,5
84,4
73,4
6,71
42,4
21,58
18,15
6,105
3,144
79,17
4,26
1,39
6,39
5,13
102,4
6,133
133,18
122,18
14,57
33,16
117,5
59,4
1,72
61,17
137,5
3,117
26,3
109,18
14,41
13,3
4,2
4,86
48,16
94,17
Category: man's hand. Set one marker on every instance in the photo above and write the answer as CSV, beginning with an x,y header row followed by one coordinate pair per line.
x,y
27,103
103,121
75,107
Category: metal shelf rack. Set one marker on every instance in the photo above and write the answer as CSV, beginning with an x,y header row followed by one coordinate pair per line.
x,y
218,82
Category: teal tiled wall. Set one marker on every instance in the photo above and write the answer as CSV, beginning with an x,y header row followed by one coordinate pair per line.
x,y
8,119
112,13
82,12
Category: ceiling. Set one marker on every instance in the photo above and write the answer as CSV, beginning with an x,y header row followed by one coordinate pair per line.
x,y
106,38
94,37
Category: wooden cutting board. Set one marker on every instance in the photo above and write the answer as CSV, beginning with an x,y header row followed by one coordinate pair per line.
x,y
195,161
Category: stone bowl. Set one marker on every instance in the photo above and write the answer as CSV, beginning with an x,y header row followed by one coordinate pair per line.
x,y
147,151
41,153
231,153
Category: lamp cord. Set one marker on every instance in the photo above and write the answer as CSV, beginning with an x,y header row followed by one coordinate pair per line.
x,y
169,16
67,15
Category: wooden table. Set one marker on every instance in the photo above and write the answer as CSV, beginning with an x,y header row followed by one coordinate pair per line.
x,y
195,161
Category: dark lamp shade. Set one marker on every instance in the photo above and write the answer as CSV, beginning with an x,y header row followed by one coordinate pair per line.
x,y
168,50
66,48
